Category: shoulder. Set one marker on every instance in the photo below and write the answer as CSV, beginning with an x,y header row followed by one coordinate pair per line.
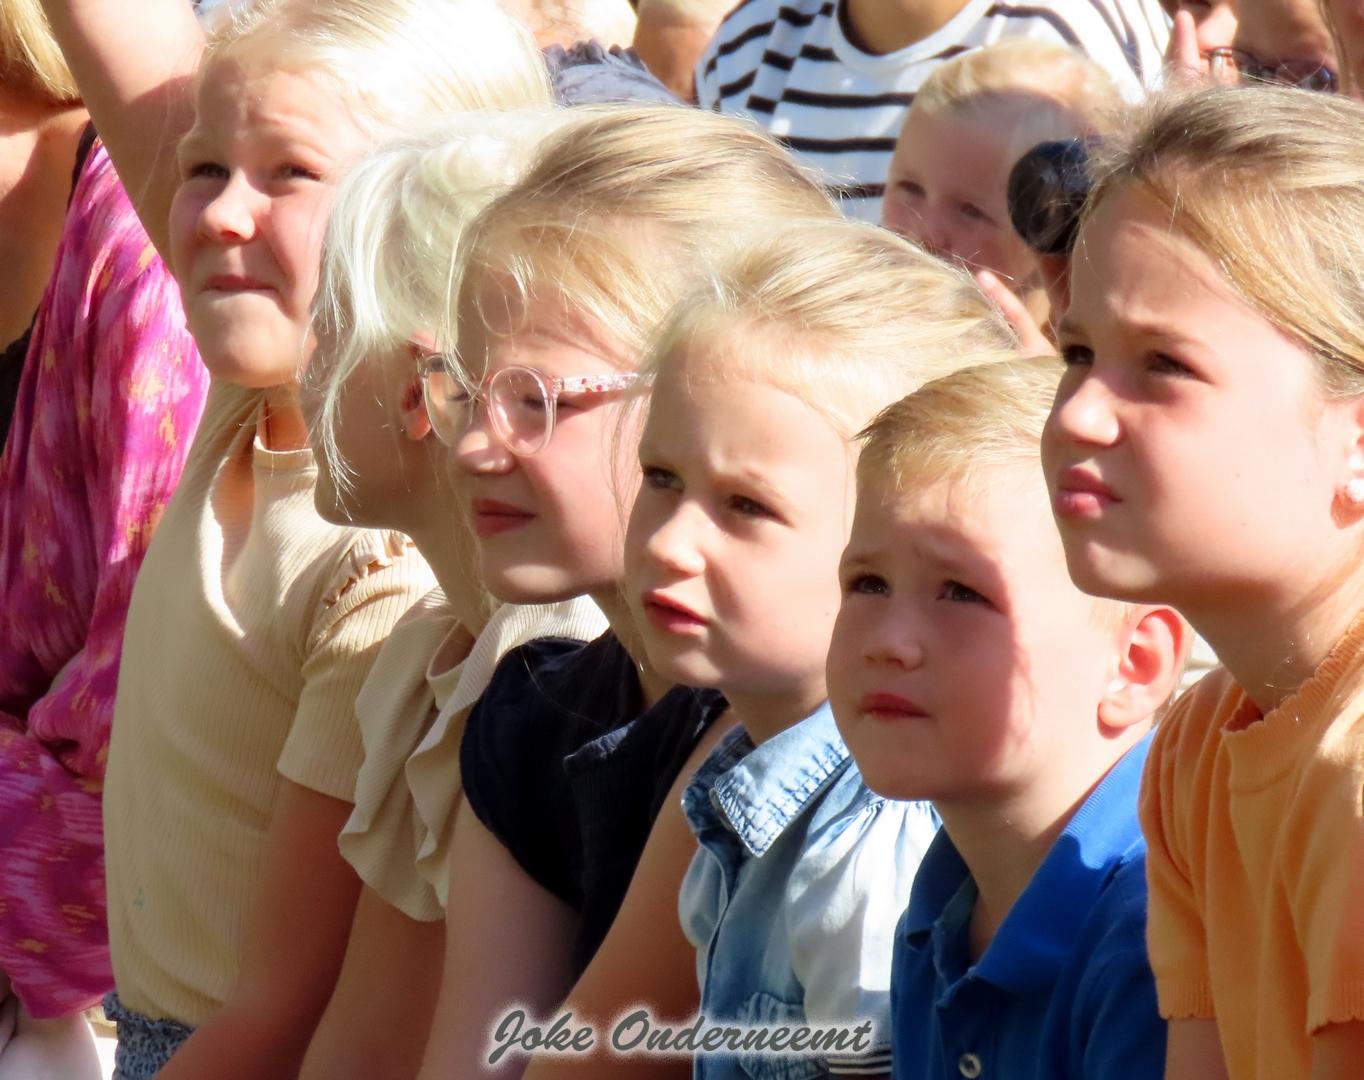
x,y
1194,722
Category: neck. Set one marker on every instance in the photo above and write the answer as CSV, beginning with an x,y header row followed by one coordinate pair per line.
x,y
764,716
1003,842
454,570
617,612
24,112
283,426
885,26
1271,645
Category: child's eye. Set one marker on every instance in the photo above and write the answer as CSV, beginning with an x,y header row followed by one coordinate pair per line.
x,y
975,213
209,169
299,172
957,593
912,188
661,479
742,504
1075,355
1165,364
867,585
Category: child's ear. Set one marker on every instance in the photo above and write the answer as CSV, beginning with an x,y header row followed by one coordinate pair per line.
x,y
1350,495
416,424
1155,641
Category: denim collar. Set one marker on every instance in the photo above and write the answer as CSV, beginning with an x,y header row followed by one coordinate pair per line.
x,y
1027,952
758,791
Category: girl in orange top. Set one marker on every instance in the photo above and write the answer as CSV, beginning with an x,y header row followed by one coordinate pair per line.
x,y
1206,449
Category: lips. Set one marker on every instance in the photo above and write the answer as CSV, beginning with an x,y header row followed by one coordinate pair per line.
x,y
233,283
882,705
669,614
491,517
1081,494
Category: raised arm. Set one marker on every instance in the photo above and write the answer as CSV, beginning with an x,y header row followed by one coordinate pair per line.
x,y
134,61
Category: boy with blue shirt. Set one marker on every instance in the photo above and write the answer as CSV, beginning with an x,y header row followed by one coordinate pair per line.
x,y
967,669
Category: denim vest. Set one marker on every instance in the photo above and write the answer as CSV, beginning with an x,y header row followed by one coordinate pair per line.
x,y
793,897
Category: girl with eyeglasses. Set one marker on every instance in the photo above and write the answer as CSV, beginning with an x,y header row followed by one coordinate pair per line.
x,y
567,757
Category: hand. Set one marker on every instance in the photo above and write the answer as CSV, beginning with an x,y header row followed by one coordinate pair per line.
x,y
1031,339
1184,63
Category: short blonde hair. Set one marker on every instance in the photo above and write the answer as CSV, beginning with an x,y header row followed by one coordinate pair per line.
x,y
846,316
979,419
30,60
401,63
1269,183
622,208
389,266
1052,91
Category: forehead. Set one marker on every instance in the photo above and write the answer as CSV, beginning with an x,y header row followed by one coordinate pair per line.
x,y
246,93
1278,30
1131,259
969,145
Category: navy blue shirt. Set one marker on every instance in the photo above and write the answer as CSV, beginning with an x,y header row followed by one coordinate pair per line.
x,y
561,761
1064,991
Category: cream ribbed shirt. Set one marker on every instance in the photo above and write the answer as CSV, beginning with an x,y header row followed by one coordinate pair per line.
x,y
411,714
252,627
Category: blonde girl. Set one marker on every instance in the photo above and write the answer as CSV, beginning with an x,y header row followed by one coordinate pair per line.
x,y
388,274
1206,449
255,621
565,277
761,380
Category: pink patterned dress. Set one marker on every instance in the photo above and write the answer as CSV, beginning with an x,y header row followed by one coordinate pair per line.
x,y
108,402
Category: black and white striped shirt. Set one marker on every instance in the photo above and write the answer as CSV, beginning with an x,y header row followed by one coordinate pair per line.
x,y
788,65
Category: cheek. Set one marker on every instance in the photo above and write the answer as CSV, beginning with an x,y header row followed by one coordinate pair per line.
x,y
899,217
296,233
184,224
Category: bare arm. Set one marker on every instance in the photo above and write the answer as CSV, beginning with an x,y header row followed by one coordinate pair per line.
x,y
295,940
134,61
647,926
1193,1051
379,1016
508,941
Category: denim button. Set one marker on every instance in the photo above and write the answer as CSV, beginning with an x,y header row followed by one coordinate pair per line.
x,y
969,1066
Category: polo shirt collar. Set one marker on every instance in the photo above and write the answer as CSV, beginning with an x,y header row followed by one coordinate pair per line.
x,y
771,785
1038,934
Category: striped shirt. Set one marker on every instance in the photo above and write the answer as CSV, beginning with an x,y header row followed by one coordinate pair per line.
x,y
789,66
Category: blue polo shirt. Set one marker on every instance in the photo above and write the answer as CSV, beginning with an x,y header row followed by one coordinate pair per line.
x,y
1064,991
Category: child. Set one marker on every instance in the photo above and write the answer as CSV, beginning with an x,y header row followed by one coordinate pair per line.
x,y
761,380
254,621
834,77
386,269
967,669
971,121
567,758
1205,450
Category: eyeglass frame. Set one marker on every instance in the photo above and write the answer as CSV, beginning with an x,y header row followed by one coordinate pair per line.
x,y
551,387
1250,68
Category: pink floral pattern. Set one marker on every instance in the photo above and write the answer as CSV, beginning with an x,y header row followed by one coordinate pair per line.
x,y
109,400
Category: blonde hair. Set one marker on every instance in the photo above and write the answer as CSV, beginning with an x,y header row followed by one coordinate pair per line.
x,y
1052,91
971,421
401,63
621,209
843,315
388,264
565,22
30,60
1268,183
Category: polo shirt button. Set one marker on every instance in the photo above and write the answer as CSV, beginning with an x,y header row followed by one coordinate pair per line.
x,y
969,1066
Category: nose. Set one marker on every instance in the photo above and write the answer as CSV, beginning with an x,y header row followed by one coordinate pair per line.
x,y
231,215
673,542
935,234
893,640
478,450
1084,411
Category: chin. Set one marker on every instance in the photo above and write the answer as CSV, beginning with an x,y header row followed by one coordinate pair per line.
x,y
255,360
529,584
1109,575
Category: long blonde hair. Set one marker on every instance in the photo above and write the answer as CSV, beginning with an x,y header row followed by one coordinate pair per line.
x,y
30,59
845,316
1269,183
623,207
401,63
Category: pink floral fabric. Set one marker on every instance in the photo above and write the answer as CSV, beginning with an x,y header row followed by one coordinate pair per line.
x,y
110,396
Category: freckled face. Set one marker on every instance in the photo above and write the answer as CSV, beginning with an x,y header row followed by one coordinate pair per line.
x,y
258,171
